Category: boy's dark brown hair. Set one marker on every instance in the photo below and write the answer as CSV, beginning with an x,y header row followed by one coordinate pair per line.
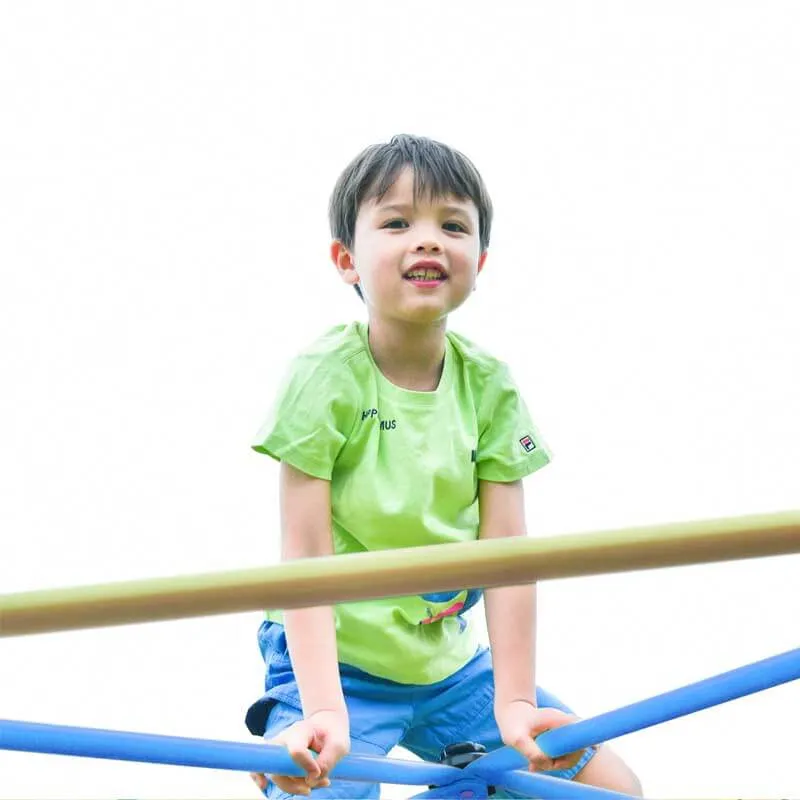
x,y
439,170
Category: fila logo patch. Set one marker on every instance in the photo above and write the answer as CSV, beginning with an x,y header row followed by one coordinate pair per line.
x,y
528,445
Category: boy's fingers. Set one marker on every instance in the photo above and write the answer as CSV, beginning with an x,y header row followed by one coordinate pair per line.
x,y
524,744
331,753
539,761
569,760
548,718
523,739
296,740
318,783
291,786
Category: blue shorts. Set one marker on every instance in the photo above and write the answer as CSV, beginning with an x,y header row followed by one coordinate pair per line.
x,y
384,714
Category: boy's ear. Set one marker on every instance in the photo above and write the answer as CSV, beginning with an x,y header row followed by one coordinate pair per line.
x,y
343,260
482,260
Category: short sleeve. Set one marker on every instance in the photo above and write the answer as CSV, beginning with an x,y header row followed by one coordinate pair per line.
x,y
311,417
509,446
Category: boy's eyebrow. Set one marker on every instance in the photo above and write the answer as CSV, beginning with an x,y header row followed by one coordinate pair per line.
x,y
403,207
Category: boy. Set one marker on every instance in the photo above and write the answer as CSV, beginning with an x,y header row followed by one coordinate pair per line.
x,y
394,434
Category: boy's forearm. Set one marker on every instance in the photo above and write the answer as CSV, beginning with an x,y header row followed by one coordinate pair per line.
x,y
511,621
310,632
311,636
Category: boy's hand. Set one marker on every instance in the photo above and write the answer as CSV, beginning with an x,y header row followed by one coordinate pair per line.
x,y
520,722
326,733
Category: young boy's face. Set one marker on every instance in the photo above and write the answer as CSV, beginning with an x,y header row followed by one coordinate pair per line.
x,y
413,263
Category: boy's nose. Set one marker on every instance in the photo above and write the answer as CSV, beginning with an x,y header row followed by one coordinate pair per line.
x,y
428,236
428,244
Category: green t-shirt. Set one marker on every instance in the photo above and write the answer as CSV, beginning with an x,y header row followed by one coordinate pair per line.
x,y
404,469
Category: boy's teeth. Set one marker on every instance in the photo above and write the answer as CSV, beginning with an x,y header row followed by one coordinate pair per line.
x,y
425,275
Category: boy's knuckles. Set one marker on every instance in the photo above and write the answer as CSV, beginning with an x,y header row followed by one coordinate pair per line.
x,y
519,741
290,785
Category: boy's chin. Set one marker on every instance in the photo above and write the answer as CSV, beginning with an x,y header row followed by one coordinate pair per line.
x,y
420,311
427,314
430,308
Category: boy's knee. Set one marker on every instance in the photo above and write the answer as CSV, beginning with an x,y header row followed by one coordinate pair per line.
x,y
608,771
634,787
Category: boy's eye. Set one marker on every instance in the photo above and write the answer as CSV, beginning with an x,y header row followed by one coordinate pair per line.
x,y
401,223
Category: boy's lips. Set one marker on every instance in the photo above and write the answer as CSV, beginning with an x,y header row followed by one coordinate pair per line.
x,y
426,272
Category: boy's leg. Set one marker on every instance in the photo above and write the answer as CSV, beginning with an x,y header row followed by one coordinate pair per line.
x,y
462,709
609,771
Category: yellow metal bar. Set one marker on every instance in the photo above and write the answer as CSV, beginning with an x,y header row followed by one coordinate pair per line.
x,y
387,573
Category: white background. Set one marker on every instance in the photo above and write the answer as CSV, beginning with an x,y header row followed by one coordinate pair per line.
x,y
164,174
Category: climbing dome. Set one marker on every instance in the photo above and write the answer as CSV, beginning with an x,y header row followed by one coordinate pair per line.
x,y
482,564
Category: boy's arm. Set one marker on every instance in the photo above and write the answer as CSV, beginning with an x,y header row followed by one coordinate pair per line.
x,y
510,610
311,636
511,621
310,632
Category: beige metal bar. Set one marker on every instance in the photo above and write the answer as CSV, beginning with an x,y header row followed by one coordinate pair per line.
x,y
387,573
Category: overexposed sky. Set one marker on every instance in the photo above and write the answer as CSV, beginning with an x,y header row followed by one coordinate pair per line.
x,y
164,174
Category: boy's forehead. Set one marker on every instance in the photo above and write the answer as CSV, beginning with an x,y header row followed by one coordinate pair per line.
x,y
401,193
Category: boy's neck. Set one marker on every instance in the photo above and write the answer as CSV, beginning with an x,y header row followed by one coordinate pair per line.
x,y
409,356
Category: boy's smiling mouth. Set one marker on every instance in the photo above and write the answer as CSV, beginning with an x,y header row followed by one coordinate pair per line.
x,y
426,273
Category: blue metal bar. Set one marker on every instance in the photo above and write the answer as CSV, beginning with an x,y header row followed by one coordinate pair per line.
x,y
506,767
663,707
494,767
65,740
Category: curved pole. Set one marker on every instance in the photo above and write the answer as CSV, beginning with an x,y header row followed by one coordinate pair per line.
x,y
66,740
687,699
678,703
35,737
413,570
